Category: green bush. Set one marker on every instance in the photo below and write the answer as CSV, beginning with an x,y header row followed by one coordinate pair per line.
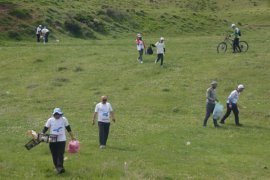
x,y
14,35
21,13
74,28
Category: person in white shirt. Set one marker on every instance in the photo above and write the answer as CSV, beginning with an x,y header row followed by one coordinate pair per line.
x,y
38,33
45,33
160,45
232,105
57,124
140,47
103,110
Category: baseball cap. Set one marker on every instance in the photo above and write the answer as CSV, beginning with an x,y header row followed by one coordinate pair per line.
x,y
57,111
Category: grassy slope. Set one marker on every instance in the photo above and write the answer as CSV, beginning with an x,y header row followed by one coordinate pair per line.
x,y
158,110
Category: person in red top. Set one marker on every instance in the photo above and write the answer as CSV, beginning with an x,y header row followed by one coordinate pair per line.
x,y
140,47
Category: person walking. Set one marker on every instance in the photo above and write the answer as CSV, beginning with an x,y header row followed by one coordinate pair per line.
x,y
45,33
232,105
103,110
236,33
210,103
57,124
38,33
160,45
140,47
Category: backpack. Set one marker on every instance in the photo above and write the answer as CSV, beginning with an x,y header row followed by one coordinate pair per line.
x,y
149,50
239,33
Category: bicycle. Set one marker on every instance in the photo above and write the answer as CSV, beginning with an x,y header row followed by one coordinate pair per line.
x,y
222,47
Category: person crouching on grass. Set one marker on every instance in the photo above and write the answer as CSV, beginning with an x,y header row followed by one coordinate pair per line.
x,y
232,105
57,124
103,109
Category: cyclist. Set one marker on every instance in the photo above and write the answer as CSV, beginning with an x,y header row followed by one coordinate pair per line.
x,y
236,35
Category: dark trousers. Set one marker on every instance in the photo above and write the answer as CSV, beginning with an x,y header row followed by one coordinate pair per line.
x,y
140,54
38,37
104,129
57,151
160,57
235,112
209,110
236,45
46,37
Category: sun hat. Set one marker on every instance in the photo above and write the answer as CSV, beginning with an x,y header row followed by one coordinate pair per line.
x,y
213,82
241,86
57,111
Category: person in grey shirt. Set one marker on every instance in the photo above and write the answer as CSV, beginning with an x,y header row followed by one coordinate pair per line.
x,y
210,103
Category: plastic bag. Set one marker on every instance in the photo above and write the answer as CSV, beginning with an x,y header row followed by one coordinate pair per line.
x,y
73,146
218,111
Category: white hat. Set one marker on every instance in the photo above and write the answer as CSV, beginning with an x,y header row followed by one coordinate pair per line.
x,y
162,38
241,86
57,111
233,25
40,25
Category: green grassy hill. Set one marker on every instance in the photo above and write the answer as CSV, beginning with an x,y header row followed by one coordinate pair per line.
x,y
96,19
158,110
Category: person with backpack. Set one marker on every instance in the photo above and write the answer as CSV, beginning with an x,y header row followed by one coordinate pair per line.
x,y
236,33
140,47
160,45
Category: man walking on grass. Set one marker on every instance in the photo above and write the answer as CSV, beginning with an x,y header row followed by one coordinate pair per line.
x,y
210,103
232,105
160,45
103,110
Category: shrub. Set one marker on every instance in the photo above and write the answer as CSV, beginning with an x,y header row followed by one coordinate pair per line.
x,y
21,13
73,27
14,35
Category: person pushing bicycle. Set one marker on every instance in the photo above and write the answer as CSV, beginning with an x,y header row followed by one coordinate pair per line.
x,y
236,35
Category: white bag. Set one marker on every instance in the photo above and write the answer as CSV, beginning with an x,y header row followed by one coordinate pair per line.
x,y
218,111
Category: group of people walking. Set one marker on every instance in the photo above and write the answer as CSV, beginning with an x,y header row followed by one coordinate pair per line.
x,y
141,47
232,100
42,33
57,124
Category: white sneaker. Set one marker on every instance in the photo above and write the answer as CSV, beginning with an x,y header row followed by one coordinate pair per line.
x,y
102,147
141,62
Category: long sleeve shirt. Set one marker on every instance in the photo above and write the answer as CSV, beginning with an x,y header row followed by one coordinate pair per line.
x,y
233,97
211,95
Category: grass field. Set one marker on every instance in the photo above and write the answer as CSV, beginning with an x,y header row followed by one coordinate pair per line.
x,y
158,110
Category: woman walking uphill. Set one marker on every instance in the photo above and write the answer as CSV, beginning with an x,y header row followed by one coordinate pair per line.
x,y
140,47
232,105
57,124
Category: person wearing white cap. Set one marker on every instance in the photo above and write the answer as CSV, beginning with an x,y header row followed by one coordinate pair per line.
x,y
140,47
57,124
38,33
236,33
160,45
210,103
103,110
232,105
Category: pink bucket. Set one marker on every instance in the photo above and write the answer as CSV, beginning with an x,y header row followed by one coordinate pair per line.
x,y
73,146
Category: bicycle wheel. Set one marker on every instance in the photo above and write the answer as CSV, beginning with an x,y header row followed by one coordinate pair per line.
x,y
222,47
244,46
